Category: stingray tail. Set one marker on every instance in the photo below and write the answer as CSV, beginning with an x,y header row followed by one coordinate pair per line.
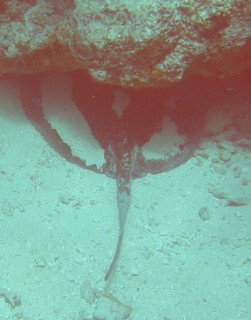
x,y
123,202
115,258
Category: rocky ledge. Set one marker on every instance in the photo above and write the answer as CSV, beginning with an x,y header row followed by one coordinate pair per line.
x,y
130,43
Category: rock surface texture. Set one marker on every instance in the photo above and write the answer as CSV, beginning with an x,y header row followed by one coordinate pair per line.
x,y
130,43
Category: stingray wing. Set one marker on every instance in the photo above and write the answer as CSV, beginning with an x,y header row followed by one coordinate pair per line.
x,y
145,166
181,148
31,101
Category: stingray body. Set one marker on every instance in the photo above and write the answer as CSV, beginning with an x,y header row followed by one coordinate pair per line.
x,y
122,136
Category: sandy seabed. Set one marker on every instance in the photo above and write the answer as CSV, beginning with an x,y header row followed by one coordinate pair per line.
x,y
187,248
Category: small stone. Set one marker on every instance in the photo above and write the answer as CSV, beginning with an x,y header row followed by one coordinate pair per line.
x,y
110,308
133,271
225,155
248,280
204,213
217,193
87,292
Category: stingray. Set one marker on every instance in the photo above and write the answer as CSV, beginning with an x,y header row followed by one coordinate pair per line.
x,y
122,121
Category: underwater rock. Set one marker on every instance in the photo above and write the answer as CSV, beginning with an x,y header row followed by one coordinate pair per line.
x,y
144,44
232,191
